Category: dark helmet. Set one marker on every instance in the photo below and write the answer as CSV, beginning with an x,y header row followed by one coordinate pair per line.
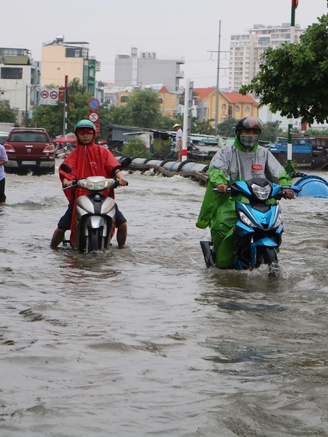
x,y
249,123
85,124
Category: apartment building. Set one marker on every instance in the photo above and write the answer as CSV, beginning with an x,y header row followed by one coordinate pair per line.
x,y
60,58
145,69
246,50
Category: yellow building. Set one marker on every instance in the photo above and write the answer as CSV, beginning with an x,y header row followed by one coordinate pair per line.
x,y
231,105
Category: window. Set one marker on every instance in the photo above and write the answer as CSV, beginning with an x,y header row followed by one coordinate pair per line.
x,y
160,101
11,73
237,108
124,99
247,109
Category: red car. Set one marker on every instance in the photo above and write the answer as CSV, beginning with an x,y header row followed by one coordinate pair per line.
x,y
30,149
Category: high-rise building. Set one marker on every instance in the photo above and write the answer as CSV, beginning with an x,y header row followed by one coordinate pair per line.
x,y
246,50
146,69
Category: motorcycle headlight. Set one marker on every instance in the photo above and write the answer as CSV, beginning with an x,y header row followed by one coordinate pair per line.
x,y
243,217
262,193
94,186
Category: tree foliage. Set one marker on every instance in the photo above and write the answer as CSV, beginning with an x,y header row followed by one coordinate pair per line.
x,y
293,78
227,127
136,147
143,109
6,114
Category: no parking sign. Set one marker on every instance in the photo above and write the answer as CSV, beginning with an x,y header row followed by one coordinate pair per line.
x,y
93,104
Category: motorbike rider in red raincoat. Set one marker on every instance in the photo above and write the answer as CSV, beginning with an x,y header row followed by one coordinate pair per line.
x,y
88,159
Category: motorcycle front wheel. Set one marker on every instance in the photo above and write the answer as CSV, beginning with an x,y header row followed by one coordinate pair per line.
x,y
272,260
94,241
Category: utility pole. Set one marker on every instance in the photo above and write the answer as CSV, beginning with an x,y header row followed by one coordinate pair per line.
x,y
289,167
218,68
217,82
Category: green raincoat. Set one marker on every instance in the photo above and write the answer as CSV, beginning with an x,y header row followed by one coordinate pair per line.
x,y
230,164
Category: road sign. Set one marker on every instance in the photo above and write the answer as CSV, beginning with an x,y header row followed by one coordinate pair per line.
x,y
49,96
44,94
93,116
54,95
93,104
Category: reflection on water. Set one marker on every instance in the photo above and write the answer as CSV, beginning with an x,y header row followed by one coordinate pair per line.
x,y
146,340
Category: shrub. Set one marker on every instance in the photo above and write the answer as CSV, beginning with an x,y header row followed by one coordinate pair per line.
x,y
135,147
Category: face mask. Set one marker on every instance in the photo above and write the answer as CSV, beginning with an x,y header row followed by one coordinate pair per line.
x,y
248,141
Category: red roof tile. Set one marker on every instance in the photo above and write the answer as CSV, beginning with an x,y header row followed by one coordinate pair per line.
x,y
163,90
204,92
239,98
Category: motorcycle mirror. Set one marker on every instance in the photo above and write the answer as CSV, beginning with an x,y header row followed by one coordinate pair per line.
x,y
66,168
125,162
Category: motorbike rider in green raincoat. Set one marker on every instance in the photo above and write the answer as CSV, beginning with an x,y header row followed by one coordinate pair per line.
x,y
243,160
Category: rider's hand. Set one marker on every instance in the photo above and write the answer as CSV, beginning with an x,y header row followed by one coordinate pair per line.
x,y
67,183
122,181
288,193
119,176
222,188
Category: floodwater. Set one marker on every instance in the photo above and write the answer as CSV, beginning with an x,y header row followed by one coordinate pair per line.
x,y
146,341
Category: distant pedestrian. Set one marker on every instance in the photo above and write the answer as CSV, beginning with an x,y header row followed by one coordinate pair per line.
x,y
3,161
178,141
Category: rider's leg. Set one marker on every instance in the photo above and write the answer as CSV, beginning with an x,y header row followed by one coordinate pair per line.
x,y
122,228
57,237
121,234
64,225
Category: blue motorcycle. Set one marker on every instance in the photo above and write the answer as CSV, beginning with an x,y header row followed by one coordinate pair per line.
x,y
259,226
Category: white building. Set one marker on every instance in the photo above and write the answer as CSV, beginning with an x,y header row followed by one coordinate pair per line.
x,y
246,50
19,80
146,69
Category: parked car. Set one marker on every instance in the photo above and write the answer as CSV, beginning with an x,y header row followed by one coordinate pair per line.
x,y
30,149
3,137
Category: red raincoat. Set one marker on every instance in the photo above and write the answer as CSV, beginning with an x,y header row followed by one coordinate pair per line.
x,y
91,160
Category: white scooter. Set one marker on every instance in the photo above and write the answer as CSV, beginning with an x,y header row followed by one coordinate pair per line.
x,y
94,213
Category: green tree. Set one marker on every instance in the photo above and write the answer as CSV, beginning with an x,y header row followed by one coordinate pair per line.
x,y
293,79
203,127
6,114
143,109
227,127
270,131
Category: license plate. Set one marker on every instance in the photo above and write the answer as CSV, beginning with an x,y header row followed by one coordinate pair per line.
x,y
28,162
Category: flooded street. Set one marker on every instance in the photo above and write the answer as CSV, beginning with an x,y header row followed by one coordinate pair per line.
x,y
146,341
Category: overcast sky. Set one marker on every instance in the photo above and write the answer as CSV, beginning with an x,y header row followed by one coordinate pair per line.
x,y
171,28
